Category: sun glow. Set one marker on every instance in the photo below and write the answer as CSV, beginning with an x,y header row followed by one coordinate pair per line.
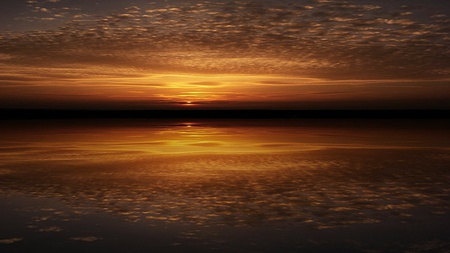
x,y
195,91
188,103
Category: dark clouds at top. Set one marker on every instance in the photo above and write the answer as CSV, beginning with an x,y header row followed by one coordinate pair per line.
x,y
322,38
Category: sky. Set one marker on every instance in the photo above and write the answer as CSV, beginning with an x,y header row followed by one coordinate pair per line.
x,y
223,54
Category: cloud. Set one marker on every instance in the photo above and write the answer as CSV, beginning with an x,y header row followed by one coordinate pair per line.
x,y
323,39
50,229
11,240
207,144
86,238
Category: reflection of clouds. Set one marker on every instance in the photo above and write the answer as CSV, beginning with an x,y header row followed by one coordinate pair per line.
x,y
323,189
226,174
84,184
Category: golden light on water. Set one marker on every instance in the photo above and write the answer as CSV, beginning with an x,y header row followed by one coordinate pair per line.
x,y
259,179
196,137
186,157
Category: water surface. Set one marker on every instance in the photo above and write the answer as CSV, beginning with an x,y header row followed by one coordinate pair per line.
x,y
224,186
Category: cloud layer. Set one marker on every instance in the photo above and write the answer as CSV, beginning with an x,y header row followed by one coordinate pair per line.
x,y
322,38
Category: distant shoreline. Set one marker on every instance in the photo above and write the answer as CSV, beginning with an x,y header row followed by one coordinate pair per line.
x,y
7,114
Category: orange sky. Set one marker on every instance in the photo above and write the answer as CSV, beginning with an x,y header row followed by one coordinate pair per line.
x,y
317,54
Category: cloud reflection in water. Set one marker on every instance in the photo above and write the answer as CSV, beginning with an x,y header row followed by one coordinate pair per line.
x,y
223,175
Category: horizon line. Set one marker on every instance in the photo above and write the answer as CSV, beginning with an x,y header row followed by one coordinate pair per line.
x,y
16,113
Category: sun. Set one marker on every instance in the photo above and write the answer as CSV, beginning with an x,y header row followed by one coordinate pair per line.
x,y
188,103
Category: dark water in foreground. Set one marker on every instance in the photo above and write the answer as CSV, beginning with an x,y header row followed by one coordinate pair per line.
x,y
225,186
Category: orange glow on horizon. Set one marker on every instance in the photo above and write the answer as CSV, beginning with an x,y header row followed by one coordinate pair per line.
x,y
162,91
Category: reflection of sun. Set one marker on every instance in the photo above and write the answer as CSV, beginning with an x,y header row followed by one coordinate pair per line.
x,y
188,102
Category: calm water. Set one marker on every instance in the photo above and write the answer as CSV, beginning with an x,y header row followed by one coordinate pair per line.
x,y
224,186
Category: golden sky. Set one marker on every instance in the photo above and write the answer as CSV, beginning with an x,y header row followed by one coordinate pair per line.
x,y
314,54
